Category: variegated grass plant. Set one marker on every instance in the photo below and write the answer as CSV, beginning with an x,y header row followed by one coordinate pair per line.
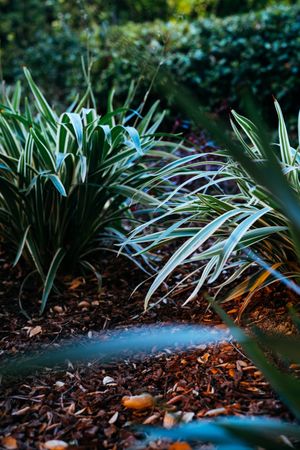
x,y
224,232
67,183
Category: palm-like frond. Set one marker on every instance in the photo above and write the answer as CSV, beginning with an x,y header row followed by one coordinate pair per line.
x,y
225,225
67,183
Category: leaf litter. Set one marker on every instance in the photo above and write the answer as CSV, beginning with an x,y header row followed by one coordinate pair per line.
x,y
96,406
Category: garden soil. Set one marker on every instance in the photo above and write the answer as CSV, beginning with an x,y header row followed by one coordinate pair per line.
x,y
81,405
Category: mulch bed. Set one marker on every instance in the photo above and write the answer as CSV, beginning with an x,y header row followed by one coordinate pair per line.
x,y
77,405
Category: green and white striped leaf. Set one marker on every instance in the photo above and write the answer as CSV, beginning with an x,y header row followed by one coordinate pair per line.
x,y
188,248
54,266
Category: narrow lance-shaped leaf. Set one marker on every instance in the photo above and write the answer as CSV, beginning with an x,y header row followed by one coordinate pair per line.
x,y
285,147
187,249
57,184
234,239
76,124
42,103
21,246
56,261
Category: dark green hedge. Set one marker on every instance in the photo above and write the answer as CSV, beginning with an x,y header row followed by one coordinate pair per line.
x,y
214,57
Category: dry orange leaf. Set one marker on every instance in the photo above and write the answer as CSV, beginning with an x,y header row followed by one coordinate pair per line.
x,y
142,401
76,283
170,420
9,442
204,358
231,373
294,366
180,446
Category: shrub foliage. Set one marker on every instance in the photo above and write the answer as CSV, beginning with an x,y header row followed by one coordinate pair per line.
x,y
213,57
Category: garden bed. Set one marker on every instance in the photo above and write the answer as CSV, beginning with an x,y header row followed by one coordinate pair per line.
x,y
82,406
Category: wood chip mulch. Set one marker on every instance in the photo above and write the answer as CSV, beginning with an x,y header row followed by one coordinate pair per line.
x,y
82,405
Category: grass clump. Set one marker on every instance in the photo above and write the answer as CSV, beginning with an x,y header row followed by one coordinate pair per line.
x,y
67,183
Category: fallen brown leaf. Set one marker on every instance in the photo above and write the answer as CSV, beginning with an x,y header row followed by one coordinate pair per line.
x,y
71,408
176,399
34,331
84,304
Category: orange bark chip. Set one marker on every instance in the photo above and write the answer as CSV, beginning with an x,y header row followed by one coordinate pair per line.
x,y
180,446
9,443
142,401
231,372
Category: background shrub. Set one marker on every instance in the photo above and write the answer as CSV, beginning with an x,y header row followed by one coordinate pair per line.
x,y
36,36
221,8
213,57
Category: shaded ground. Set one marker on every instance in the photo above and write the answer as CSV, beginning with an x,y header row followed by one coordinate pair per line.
x,y
79,406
